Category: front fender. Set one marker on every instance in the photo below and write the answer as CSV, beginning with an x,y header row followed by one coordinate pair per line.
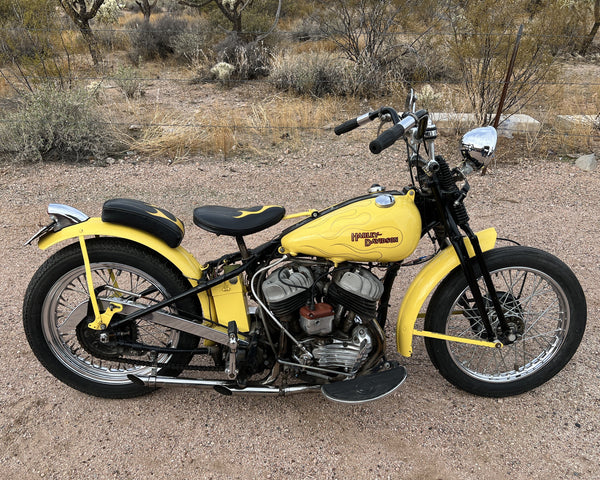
x,y
424,283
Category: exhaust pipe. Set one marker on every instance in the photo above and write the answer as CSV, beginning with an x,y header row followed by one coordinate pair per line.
x,y
224,387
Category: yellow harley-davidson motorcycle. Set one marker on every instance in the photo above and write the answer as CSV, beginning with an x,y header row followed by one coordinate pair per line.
x,y
124,308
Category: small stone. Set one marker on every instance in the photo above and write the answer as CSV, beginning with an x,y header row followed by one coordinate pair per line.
x,y
587,163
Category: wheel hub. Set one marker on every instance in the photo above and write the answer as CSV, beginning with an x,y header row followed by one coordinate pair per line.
x,y
103,344
513,314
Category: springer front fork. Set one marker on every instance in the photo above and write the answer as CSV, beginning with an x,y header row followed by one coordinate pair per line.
x,y
504,334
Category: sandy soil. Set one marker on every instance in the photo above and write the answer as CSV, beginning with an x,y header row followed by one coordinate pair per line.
x,y
427,429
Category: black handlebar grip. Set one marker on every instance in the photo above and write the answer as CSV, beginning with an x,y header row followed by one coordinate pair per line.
x,y
347,126
386,139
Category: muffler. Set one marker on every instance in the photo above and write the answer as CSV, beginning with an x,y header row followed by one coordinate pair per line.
x,y
224,387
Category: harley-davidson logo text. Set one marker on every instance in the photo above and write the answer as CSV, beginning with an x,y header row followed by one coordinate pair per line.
x,y
372,238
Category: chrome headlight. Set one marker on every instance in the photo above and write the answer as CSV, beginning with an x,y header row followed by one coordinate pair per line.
x,y
478,145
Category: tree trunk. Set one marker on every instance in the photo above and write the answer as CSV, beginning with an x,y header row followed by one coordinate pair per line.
x,y
589,38
88,35
146,7
81,15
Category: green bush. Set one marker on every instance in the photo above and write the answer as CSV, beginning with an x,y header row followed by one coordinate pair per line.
x,y
309,73
251,60
194,45
127,80
319,74
53,124
152,40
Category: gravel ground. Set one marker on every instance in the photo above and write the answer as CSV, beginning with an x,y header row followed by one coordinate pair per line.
x,y
427,429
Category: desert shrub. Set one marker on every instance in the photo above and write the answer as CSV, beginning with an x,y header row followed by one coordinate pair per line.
x,y
480,49
309,73
250,60
109,12
54,124
127,81
307,29
194,44
152,40
319,74
26,25
372,78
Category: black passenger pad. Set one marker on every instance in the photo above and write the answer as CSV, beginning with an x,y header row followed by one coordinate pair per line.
x,y
146,217
237,222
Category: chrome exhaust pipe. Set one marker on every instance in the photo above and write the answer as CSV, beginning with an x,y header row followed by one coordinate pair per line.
x,y
224,387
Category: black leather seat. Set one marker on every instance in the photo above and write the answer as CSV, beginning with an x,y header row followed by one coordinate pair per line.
x,y
137,214
237,222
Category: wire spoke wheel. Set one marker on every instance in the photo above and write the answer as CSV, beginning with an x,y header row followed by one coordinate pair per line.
x,y
80,348
543,305
57,311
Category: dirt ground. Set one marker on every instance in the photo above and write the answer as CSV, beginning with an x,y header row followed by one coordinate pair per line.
x,y
427,429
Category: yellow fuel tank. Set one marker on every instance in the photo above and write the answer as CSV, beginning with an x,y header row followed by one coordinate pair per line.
x,y
382,228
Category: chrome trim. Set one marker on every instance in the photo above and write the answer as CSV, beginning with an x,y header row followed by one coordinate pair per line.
x,y
364,118
160,318
385,201
65,216
171,321
222,386
479,144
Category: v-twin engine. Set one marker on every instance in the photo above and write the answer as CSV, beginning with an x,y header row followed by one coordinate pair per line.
x,y
330,312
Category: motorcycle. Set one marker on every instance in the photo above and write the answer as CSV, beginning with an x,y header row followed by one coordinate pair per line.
x,y
124,309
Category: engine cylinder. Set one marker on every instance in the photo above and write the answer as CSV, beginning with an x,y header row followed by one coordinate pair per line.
x,y
357,290
287,290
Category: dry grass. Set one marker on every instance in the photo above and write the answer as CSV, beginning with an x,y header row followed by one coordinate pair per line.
x,y
175,136
282,116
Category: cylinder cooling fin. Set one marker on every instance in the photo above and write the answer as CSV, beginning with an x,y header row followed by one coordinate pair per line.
x,y
357,290
288,289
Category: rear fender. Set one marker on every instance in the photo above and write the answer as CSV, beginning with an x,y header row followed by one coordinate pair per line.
x,y
425,282
179,257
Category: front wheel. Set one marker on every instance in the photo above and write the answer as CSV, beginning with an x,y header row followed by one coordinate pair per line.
x,y
542,302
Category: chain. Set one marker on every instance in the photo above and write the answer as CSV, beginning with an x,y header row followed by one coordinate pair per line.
x,y
177,366
149,363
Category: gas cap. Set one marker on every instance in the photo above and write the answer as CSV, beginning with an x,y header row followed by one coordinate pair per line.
x,y
385,201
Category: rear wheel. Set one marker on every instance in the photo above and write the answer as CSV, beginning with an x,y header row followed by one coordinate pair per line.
x,y
57,309
542,302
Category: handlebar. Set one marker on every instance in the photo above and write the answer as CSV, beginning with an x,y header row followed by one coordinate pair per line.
x,y
350,125
389,137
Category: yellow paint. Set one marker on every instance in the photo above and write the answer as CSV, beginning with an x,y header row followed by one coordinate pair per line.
x,y
88,277
180,257
451,338
309,213
426,280
361,231
101,322
230,302
161,214
245,213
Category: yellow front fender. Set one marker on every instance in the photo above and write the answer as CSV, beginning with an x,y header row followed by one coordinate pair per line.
x,y
180,257
424,283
